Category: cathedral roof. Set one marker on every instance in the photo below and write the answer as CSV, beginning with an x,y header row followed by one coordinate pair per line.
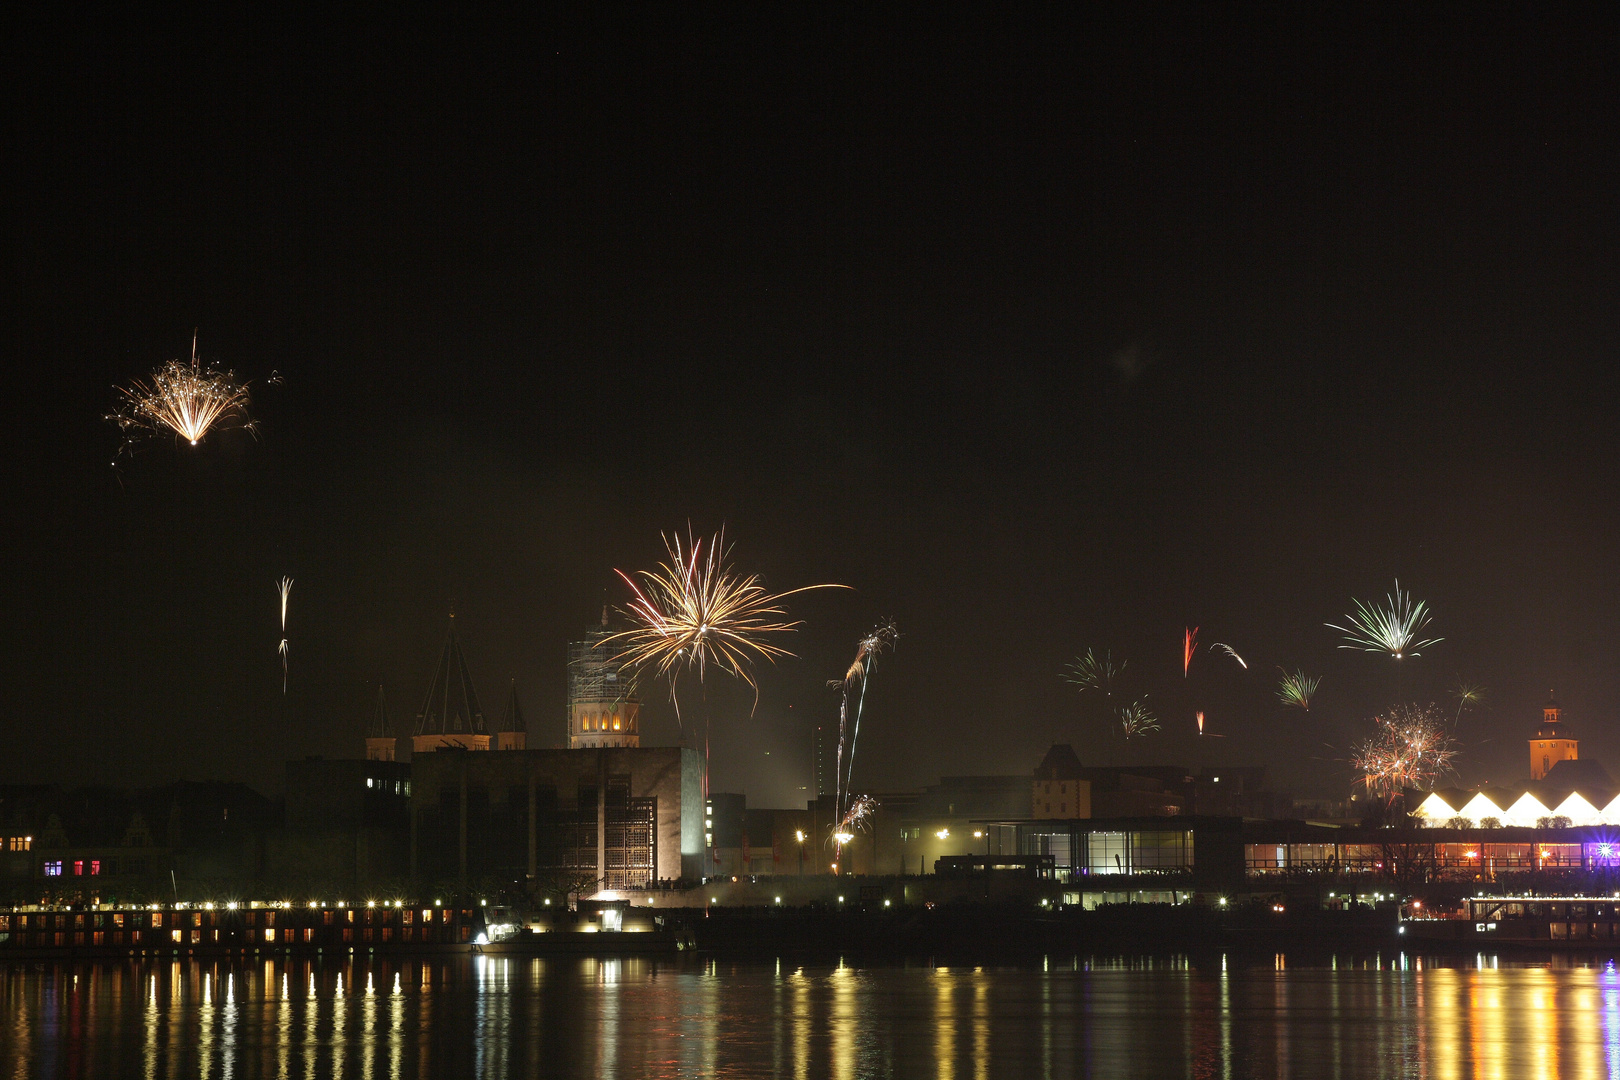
x,y
451,706
512,715
377,726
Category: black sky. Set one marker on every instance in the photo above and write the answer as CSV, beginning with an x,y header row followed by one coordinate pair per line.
x,y
1043,335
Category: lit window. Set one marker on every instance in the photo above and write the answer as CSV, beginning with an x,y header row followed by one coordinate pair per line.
x,y
368,782
53,869
78,868
270,935
95,867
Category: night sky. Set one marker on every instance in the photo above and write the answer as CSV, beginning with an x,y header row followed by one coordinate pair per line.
x,y
1041,336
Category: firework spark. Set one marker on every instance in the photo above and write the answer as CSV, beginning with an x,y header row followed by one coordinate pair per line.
x,y
1409,749
187,400
1391,629
1229,651
1093,672
1136,719
696,609
284,588
1297,688
1188,647
883,636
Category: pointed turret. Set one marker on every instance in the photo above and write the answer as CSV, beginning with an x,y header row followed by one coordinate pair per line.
x,y
513,733
380,742
450,717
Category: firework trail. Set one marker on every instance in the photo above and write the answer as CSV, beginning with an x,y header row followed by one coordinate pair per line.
x,y
1200,723
1297,688
883,636
1189,646
284,587
1391,629
188,401
1136,719
695,609
1229,651
1093,672
1409,749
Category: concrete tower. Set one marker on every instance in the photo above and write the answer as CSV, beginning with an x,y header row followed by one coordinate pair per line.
x,y
450,717
602,706
380,742
1551,742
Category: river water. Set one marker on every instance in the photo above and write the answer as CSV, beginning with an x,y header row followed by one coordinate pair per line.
x,y
1208,1016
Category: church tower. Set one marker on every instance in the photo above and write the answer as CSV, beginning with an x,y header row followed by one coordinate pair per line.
x,y
450,718
1551,742
513,733
380,742
602,705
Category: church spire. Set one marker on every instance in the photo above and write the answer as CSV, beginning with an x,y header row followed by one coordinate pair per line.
x,y
450,716
513,732
380,743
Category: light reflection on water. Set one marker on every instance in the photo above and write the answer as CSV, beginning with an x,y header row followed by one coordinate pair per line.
x,y
1221,1016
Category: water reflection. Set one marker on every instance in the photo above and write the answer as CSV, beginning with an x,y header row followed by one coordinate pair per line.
x,y
1221,1016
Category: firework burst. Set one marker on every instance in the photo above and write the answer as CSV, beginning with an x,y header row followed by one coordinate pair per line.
x,y
284,588
187,400
1188,647
1297,688
1467,695
1409,749
883,636
1392,629
861,809
1093,672
1229,651
1136,720
696,609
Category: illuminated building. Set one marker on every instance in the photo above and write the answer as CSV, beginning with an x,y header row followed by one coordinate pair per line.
x,y
603,710
450,717
1551,742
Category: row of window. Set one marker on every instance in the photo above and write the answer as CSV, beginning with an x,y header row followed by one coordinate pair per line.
x,y
1277,858
287,936
396,787
53,867
18,843
603,722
